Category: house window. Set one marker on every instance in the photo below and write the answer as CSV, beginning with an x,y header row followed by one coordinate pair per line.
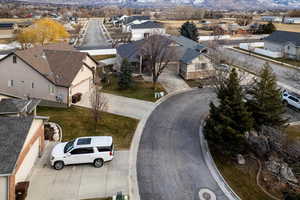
x,y
51,89
32,85
14,59
200,66
11,83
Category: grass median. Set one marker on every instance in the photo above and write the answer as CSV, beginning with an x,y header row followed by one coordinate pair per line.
x,y
78,122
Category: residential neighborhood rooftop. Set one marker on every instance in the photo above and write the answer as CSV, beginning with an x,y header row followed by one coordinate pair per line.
x,y
13,133
12,105
59,63
147,24
284,37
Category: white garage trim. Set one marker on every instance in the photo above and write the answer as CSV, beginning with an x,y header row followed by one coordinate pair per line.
x,y
28,162
4,187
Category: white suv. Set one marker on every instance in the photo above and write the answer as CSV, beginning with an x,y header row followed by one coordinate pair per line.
x,y
96,150
292,99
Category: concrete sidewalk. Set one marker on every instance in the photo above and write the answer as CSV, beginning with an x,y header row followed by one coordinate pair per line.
x,y
78,181
124,106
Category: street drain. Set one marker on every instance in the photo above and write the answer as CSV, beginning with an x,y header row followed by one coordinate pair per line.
x,y
206,194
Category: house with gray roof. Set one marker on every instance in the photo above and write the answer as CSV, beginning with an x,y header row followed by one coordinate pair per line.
x,y
53,72
189,58
145,29
18,107
288,43
21,143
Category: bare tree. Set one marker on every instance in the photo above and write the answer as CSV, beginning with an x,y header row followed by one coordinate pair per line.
x,y
98,104
157,53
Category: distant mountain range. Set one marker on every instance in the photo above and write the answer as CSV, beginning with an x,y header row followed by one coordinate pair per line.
x,y
218,4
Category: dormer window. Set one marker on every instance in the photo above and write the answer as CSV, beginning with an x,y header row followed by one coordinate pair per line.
x,y
14,59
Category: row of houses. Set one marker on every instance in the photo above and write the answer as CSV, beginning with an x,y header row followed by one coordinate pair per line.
x,y
281,19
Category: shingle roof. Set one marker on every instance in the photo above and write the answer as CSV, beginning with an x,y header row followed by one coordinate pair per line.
x,y
187,43
132,18
59,63
284,37
13,133
190,55
185,51
147,24
14,106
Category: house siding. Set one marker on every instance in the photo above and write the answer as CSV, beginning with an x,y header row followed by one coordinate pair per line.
x,y
138,34
190,71
23,77
271,46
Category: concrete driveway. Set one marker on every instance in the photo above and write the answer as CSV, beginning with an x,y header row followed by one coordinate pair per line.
x,y
119,105
78,181
170,161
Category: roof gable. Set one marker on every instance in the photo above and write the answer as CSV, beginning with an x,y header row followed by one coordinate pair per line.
x,y
57,63
282,37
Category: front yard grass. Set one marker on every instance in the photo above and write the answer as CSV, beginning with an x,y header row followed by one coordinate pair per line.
x,y
242,179
140,89
78,122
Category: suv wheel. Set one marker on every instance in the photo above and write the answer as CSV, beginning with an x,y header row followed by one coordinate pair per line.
x,y
58,165
98,163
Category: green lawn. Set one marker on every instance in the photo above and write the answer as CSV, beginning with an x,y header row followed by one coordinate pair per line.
x,y
78,122
283,60
139,90
293,132
242,179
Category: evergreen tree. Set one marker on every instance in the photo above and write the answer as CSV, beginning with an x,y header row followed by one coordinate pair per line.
x,y
189,30
265,100
229,121
269,28
125,78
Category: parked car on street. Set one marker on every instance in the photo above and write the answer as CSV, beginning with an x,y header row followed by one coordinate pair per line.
x,y
290,98
94,149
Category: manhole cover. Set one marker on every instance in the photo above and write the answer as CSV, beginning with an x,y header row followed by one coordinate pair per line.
x,y
206,194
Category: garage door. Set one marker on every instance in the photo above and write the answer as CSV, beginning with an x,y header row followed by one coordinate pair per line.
x,y
82,87
3,187
28,162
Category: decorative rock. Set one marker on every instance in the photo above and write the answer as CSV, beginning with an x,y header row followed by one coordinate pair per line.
x,y
55,137
287,173
240,159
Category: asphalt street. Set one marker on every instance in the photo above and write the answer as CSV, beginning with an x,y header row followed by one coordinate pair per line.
x,y
94,35
254,64
170,164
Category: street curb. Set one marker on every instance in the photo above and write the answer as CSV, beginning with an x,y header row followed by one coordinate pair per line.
x,y
267,59
210,163
132,178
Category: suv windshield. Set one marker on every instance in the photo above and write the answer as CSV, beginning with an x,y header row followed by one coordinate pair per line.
x,y
69,146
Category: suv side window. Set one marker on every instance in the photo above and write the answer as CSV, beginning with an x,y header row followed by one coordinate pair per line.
x,y
104,149
293,99
85,150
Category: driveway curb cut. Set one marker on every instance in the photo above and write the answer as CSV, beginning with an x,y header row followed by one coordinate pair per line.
x,y
132,178
230,194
